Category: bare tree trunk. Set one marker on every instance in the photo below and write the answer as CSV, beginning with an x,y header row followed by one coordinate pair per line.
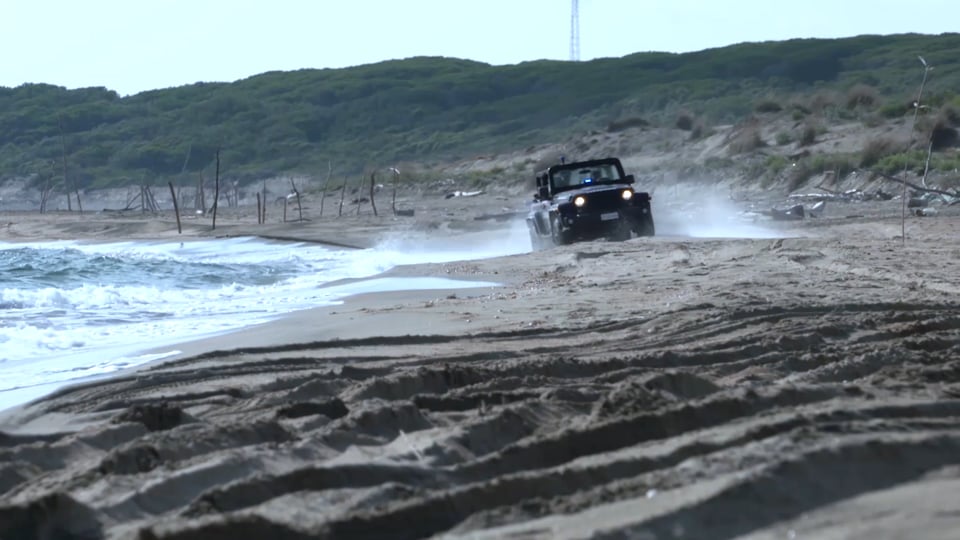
x,y
259,221
216,191
297,193
201,198
150,199
323,193
373,180
63,161
264,218
343,192
45,195
176,207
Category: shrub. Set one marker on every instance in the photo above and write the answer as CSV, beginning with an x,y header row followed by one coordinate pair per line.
x,y
822,101
625,123
747,140
768,106
685,121
897,163
943,134
895,109
872,120
776,164
700,130
784,138
808,134
861,95
876,149
819,164
950,115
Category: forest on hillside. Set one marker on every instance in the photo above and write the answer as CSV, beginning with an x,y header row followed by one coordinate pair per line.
x,y
429,109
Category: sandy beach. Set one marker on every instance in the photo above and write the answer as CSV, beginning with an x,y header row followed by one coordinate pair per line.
x,y
801,385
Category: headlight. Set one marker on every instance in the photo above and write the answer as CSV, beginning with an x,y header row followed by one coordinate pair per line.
x,y
580,201
627,194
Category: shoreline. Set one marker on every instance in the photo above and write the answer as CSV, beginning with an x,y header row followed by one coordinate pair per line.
x,y
290,327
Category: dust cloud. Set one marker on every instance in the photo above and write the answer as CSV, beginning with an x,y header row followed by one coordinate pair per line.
x,y
704,212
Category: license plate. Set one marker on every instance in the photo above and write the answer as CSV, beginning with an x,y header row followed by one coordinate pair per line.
x,y
606,216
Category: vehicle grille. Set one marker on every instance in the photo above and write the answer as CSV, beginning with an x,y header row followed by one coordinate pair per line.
x,y
604,200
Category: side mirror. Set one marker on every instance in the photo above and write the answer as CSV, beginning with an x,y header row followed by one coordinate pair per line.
x,y
544,192
629,179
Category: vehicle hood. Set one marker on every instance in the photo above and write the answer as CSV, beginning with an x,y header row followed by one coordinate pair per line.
x,y
586,190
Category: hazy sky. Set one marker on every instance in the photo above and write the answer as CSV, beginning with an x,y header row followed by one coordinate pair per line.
x,y
135,45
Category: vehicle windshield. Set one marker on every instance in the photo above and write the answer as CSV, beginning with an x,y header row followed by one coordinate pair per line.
x,y
595,174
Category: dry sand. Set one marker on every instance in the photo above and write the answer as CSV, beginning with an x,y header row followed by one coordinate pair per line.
x,y
806,386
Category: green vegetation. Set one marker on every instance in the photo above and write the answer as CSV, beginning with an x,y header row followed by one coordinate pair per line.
x,y
431,109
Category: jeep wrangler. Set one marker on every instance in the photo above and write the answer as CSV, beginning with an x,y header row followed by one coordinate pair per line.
x,y
586,200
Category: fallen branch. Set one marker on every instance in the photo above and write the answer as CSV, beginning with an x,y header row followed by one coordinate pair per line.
x,y
916,187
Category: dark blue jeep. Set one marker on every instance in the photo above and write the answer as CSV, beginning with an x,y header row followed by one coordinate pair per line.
x,y
585,200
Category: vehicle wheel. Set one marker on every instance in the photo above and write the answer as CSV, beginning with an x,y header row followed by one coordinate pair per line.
x,y
645,227
621,232
536,242
557,234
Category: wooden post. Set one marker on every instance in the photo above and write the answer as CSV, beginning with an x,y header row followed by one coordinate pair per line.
x,y
259,221
176,207
263,219
396,180
323,193
373,180
916,113
200,200
216,191
343,192
297,193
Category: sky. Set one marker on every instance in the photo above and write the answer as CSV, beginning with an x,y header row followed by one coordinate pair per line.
x,y
135,45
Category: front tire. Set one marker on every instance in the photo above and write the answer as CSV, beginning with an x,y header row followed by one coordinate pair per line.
x,y
621,231
557,234
536,241
645,227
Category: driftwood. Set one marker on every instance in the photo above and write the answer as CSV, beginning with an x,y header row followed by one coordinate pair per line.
x,y
453,194
916,187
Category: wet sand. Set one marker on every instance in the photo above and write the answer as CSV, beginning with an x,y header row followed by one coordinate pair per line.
x,y
806,386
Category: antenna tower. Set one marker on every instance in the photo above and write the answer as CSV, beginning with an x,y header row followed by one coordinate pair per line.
x,y
575,31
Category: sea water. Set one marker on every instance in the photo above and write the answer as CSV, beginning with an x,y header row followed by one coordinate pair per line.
x,y
72,311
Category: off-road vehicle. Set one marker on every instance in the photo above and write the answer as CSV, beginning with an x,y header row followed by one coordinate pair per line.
x,y
585,200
